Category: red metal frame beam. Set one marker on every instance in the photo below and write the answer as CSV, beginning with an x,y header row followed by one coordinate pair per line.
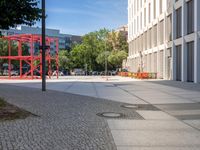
x,y
30,39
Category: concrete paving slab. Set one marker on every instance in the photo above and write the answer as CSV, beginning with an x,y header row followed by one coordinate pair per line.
x,y
129,100
155,115
156,138
147,125
167,100
190,96
158,148
184,112
196,99
193,123
86,89
187,106
188,117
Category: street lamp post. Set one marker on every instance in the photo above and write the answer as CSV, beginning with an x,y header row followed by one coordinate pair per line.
x,y
141,62
106,60
106,65
43,47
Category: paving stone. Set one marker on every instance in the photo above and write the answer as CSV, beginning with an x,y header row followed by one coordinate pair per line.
x,y
187,106
184,112
188,117
147,125
193,123
156,138
155,115
158,148
65,121
60,126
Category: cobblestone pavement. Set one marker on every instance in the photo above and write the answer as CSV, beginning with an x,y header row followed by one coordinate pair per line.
x,y
64,122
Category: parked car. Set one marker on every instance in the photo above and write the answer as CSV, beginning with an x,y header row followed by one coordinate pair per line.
x,y
94,73
13,72
79,72
60,73
102,73
113,73
36,72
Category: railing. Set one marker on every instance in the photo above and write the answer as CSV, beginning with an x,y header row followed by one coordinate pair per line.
x,y
142,75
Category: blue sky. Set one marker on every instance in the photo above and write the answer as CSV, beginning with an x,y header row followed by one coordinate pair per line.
x,y
83,16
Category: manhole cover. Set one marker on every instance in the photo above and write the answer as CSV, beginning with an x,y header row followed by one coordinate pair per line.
x,y
110,115
140,106
130,106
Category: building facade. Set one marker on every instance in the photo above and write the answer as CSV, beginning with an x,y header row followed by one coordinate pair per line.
x,y
164,37
65,40
123,30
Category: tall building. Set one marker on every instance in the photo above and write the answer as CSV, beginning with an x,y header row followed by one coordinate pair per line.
x,y
65,40
123,30
164,37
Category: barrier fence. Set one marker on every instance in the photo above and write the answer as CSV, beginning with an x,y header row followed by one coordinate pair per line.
x,y
141,75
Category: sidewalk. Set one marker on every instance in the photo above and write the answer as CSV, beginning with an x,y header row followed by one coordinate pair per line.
x,y
174,125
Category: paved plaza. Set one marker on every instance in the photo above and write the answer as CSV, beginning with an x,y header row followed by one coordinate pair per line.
x,y
161,115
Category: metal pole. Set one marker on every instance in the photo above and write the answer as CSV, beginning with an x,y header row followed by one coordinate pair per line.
x,y
106,63
106,66
43,47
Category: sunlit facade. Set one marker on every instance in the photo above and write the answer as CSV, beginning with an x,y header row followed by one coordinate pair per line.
x,y
164,37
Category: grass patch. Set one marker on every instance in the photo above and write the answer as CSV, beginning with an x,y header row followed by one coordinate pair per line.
x,y
11,112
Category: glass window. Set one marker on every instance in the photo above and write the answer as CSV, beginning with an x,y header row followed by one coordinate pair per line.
x,y
190,16
149,12
144,16
154,9
161,32
178,23
161,6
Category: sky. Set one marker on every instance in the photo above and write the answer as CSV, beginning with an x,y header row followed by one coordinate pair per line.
x,y
79,17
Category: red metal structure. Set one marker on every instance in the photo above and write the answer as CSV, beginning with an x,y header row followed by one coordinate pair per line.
x,y
33,60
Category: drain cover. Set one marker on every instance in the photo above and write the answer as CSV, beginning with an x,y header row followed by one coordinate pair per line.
x,y
110,115
140,107
130,106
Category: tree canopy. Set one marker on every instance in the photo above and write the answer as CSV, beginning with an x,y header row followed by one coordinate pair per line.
x,y
96,48
16,12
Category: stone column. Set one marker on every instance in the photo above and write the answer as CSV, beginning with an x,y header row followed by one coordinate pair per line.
x,y
184,45
197,41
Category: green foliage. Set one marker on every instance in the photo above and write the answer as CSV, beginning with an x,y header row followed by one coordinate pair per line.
x,y
116,58
14,52
64,59
96,48
77,56
16,12
3,47
103,57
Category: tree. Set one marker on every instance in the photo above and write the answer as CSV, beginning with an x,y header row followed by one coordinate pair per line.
x,y
103,57
16,12
116,58
85,54
64,60
78,56
119,48
97,48
118,41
